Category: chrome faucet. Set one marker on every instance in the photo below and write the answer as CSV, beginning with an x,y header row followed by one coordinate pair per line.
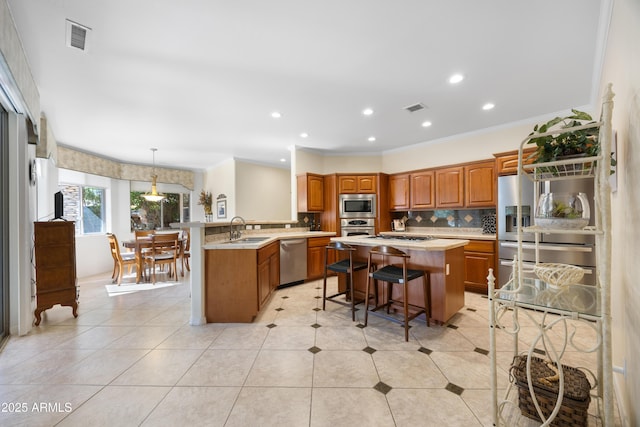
x,y
236,234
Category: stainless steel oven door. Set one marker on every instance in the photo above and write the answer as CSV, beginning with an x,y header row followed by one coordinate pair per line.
x,y
358,231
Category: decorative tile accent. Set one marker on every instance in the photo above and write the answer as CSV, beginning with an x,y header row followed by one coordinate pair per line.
x,y
318,297
537,350
271,325
317,309
369,350
315,325
454,389
279,309
418,219
305,219
481,351
468,218
360,325
450,218
433,218
425,350
452,326
314,350
285,297
471,309
382,387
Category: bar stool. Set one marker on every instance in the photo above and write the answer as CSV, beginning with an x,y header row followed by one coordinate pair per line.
x,y
346,266
393,274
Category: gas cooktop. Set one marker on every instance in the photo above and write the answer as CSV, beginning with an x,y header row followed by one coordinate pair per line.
x,y
410,238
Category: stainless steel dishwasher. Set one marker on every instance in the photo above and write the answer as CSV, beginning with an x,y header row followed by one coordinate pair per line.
x,y
293,261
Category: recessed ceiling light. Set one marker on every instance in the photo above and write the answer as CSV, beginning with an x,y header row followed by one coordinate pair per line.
x,y
304,135
276,115
426,124
488,106
367,111
456,78
283,160
371,139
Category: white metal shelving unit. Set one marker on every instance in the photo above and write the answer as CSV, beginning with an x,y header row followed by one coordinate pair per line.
x,y
556,309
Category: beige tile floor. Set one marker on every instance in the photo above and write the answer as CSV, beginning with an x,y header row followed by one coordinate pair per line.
x,y
133,359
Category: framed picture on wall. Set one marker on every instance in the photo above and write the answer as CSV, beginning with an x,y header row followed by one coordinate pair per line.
x,y
221,208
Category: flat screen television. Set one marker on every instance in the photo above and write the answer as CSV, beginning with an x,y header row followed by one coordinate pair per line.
x,y
58,200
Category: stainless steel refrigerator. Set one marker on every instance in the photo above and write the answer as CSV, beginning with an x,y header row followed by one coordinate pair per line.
x,y
572,249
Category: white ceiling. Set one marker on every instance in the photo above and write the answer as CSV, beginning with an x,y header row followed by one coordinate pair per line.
x,y
198,79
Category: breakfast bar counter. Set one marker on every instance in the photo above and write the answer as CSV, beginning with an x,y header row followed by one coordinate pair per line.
x,y
442,259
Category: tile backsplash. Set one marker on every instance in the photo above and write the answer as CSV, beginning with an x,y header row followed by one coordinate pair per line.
x,y
445,218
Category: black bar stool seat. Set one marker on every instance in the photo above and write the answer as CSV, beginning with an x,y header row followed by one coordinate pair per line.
x,y
393,274
344,266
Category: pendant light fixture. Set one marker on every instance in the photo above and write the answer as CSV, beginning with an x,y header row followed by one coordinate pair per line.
x,y
154,196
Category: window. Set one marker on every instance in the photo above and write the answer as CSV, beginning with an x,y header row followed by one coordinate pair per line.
x,y
147,215
85,206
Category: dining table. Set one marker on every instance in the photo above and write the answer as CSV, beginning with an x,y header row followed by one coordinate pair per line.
x,y
142,243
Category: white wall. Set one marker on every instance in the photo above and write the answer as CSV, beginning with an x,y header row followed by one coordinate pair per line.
x,y
262,193
220,179
622,68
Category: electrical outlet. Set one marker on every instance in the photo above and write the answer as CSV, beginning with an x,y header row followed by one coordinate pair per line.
x,y
256,227
287,226
249,227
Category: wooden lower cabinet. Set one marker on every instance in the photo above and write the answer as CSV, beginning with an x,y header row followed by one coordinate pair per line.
x,y
315,257
238,282
55,260
479,257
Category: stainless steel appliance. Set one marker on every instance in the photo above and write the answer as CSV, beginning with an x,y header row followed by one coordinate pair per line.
x,y
357,205
573,249
293,261
357,226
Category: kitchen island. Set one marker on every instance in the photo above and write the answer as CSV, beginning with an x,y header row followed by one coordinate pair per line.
x,y
442,259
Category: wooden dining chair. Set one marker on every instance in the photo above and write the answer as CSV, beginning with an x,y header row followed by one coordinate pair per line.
x,y
164,251
120,260
185,254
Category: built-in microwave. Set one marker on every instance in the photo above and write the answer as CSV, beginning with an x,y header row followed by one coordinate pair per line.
x,y
357,205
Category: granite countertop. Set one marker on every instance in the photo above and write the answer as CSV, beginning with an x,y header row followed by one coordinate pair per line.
x,y
266,239
421,245
444,233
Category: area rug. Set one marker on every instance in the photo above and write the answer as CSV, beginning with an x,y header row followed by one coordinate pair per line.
x,y
127,288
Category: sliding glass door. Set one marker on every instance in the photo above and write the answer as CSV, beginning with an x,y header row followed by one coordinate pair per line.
x,y
4,225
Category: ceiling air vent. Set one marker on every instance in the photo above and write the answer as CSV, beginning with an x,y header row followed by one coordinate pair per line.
x,y
77,35
415,107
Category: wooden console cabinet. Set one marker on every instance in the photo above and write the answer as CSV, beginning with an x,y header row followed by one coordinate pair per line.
x,y
55,259
479,257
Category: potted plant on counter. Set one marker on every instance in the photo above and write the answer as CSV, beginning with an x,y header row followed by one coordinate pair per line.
x,y
206,201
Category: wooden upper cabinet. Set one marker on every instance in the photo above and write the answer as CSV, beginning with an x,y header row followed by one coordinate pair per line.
x,y
481,185
399,192
507,163
423,190
450,187
357,184
310,193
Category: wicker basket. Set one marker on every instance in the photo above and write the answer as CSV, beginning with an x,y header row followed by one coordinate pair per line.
x,y
575,403
557,275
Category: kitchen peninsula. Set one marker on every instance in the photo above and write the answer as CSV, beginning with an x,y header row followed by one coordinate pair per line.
x,y
241,275
443,259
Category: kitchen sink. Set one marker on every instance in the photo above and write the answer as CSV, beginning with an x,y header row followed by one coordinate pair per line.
x,y
249,240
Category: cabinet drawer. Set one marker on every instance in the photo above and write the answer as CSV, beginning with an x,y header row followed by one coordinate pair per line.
x,y
487,246
315,242
268,251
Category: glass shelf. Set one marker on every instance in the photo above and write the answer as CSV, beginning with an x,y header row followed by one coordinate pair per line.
x,y
583,300
589,230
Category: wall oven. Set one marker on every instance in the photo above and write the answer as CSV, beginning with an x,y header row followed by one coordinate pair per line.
x,y
357,227
357,205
